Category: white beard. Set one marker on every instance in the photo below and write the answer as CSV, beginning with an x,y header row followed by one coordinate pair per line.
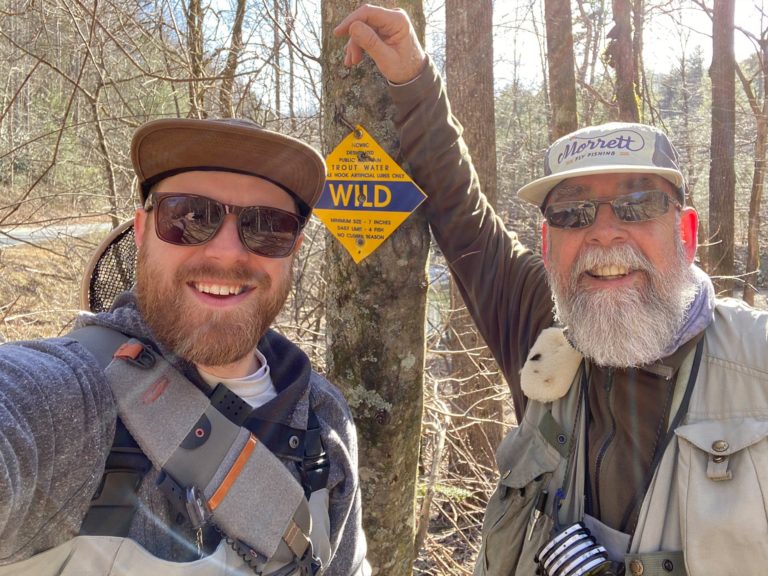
x,y
623,327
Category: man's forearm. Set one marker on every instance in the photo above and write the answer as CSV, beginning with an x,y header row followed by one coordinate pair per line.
x,y
56,429
503,284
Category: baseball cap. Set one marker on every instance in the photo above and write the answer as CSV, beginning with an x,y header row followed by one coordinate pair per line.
x,y
604,149
162,148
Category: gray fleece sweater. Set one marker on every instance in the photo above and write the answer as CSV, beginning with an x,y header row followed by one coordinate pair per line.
x,y
57,422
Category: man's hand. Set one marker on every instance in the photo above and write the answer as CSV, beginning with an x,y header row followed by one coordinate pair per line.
x,y
389,39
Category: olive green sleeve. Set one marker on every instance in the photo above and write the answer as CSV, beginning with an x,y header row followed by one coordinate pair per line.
x,y
503,283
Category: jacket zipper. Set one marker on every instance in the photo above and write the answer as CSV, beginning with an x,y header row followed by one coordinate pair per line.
x,y
608,388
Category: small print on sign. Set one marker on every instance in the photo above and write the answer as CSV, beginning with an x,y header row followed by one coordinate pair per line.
x,y
367,195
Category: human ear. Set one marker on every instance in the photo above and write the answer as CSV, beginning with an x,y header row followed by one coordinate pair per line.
x,y
298,244
544,247
139,226
689,227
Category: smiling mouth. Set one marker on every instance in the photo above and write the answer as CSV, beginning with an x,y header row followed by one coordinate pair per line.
x,y
220,290
609,272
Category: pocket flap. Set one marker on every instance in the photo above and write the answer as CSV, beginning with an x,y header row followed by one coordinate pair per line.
x,y
724,437
523,459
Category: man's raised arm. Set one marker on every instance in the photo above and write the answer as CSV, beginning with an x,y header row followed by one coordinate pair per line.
x,y
498,277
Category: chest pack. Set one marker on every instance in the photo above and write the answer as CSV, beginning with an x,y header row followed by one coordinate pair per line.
x,y
540,496
212,451
705,511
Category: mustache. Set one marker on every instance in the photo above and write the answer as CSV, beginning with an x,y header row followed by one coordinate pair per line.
x,y
210,272
593,257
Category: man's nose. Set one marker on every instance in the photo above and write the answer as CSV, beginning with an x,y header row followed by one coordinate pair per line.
x,y
607,229
226,244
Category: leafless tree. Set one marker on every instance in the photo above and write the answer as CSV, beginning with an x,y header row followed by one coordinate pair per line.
x,y
722,175
469,74
756,90
620,56
375,316
562,81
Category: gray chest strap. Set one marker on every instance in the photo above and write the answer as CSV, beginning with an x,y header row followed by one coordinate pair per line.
x,y
215,462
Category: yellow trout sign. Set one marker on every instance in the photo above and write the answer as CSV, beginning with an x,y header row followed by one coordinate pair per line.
x,y
367,195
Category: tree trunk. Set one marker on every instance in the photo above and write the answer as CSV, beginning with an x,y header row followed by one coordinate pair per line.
x,y
195,49
722,175
689,72
233,57
109,167
593,21
644,93
620,57
477,384
290,20
760,113
277,41
376,315
562,79
755,200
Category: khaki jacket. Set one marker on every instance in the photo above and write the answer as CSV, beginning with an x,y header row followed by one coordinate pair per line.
x,y
706,511
505,289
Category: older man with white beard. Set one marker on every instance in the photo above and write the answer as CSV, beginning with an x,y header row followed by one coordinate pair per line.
x,y
176,433
642,399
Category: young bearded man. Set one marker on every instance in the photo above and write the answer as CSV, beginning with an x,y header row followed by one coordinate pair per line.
x,y
249,456
642,399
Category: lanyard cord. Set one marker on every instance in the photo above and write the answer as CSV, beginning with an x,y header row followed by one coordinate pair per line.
x,y
560,495
587,417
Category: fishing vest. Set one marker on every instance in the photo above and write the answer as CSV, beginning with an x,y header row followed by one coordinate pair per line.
x,y
706,509
217,468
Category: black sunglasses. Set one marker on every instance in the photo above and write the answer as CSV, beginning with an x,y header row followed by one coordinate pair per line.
x,y
190,220
635,207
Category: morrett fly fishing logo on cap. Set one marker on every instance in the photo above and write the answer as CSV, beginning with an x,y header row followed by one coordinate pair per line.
x,y
575,150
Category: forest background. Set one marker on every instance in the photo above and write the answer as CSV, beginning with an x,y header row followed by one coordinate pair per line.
x,y
80,75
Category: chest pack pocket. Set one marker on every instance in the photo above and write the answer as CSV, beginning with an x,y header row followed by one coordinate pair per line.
x,y
114,504
211,453
509,543
722,482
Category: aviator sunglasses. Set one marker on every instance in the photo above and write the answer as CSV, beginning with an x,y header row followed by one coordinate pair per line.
x,y
635,207
190,220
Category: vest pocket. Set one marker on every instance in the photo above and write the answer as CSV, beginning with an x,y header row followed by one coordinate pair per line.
x,y
723,485
506,549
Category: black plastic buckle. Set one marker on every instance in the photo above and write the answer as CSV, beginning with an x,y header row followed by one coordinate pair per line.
x,y
145,359
311,564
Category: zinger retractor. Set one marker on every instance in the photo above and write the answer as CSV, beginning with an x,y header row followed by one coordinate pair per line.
x,y
573,552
